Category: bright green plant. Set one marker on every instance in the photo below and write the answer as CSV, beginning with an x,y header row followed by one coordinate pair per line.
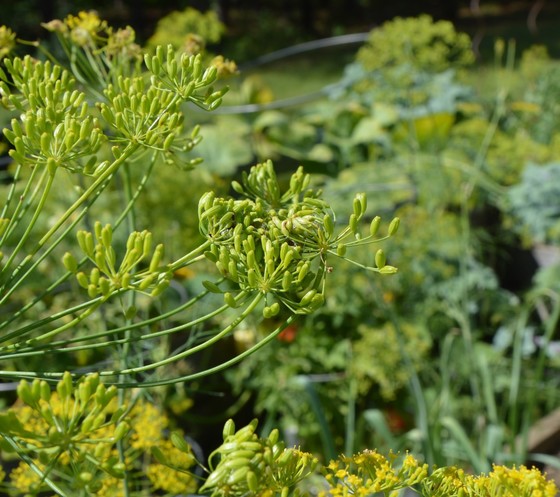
x,y
420,42
88,133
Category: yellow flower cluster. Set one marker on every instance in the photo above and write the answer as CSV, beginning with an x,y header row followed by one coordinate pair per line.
x,y
175,480
7,41
500,482
76,452
87,29
369,472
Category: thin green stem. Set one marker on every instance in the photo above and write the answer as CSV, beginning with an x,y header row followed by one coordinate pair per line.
x,y
63,344
24,237
21,206
228,329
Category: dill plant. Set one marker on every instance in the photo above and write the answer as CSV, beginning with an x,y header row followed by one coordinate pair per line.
x,y
83,284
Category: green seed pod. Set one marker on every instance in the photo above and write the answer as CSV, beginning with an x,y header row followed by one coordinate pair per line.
x,y
92,291
106,235
236,186
45,142
270,267
230,300
232,269
179,442
273,436
238,475
287,281
374,226
271,311
394,226
70,262
83,280
211,287
168,141
317,301
211,256
84,391
23,391
388,270
156,258
252,482
105,286
380,258
146,282
306,299
229,429
125,281
285,458
159,288
121,431
353,223
341,250
252,278
45,391
328,224
303,270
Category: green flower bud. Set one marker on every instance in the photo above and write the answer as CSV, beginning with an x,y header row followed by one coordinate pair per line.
x,y
341,250
287,280
121,431
271,311
380,258
328,224
353,223
211,287
252,482
179,442
92,291
70,262
24,393
156,258
374,226
306,299
230,300
159,288
45,391
303,270
252,278
229,429
394,226
388,270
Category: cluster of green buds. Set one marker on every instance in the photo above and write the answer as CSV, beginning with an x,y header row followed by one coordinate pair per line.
x,y
251,465
77,423
106,277
55,128
279,243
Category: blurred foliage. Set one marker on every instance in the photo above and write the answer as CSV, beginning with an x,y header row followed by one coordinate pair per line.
x,y
420,42
188,30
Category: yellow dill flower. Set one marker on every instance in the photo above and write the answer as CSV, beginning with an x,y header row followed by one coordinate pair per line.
x,y
24,479
7,41
148,423
111,487
85,27
89,21
522,481
169,479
